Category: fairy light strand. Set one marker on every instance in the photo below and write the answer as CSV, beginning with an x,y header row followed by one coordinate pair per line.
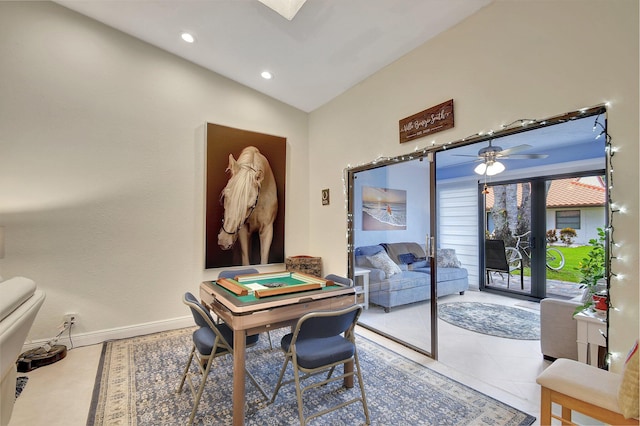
x,y
613,209
517,126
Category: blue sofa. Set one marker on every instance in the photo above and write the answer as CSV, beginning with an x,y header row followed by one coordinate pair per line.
x,y
406,276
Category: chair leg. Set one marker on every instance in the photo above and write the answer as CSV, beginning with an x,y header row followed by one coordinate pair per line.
x,y
270,343
361,383
186,369
296,376
545,406
255,383
566,415
203,380
330,372
279,384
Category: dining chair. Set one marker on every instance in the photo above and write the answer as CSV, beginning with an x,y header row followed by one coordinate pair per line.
x,y
232,273
210,341
321,341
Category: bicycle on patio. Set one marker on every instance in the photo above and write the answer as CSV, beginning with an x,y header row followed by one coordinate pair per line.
x,y
554,261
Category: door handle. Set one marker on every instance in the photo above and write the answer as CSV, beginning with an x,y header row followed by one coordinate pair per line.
x,y
431,242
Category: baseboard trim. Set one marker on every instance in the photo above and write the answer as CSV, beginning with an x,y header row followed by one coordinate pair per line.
x,y
95,337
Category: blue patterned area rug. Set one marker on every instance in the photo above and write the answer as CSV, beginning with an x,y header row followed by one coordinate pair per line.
x,y
492,319
137,380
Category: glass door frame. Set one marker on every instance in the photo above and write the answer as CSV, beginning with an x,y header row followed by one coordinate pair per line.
x,y
517,126
430,240
538,232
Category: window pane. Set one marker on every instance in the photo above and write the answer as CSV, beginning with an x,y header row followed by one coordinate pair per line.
x,y
568,219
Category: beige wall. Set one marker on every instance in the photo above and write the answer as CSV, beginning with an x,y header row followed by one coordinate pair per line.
x,y
101,167
101,144
511,60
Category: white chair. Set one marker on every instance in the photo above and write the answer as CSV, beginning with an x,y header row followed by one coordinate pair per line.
x,y
19,304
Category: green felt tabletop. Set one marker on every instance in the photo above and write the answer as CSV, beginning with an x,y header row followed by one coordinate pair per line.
x,y
287,280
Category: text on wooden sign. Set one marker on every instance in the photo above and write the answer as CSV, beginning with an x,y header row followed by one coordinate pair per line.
x,y
431,120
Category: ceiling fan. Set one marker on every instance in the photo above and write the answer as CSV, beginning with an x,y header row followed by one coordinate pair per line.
x,y
490,155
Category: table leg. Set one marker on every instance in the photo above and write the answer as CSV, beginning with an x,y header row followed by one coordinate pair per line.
x,y
593,354
582,352
348,368
239,348
365,284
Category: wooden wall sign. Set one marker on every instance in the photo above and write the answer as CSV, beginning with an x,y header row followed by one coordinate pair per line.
x,y
432,120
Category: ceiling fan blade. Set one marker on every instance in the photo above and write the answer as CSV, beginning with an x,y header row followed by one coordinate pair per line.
x,y
522,156
477,160
514,149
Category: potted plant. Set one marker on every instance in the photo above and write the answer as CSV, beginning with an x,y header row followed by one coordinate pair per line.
x,y
592,270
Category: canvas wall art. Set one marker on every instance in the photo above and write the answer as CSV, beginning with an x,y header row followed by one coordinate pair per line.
x,y
384,209
245,197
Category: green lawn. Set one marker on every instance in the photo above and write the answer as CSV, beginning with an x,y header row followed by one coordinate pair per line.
x,y
573,256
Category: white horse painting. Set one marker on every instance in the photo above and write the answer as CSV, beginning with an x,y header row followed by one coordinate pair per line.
x,y
250,201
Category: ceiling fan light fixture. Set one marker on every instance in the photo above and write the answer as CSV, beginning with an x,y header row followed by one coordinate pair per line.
x,y
489,168
495,168
480,168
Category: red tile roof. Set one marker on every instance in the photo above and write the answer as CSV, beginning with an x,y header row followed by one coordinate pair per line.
x,y
572,192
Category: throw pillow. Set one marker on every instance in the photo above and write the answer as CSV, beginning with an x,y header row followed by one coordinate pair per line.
x,y
628,392
407,258
446,258
383,261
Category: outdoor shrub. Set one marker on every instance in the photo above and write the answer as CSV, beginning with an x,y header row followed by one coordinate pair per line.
x,y
567,235
552,237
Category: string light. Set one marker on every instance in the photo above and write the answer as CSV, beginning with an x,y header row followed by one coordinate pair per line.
x,y
515,126
505,129
613,209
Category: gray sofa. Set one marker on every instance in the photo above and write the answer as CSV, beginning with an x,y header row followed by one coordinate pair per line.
x,y
401,275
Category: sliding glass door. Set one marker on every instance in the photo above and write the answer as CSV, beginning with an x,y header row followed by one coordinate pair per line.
x,y
391,220
545,225
530,189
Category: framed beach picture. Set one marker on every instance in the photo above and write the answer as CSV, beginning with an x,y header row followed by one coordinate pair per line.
x,y
245,197
384,209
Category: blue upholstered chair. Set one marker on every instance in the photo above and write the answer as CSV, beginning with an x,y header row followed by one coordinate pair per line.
x,y
232,273
340,280
317,345
210,341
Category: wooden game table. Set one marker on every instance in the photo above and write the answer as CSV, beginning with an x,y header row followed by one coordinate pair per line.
x,y
257,311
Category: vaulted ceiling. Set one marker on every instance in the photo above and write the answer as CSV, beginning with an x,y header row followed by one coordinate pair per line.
x,y
327,48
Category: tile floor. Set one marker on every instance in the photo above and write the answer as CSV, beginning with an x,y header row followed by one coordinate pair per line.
x,y
60,394
503,368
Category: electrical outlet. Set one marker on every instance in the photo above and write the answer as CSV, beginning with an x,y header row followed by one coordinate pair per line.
x,y
70,319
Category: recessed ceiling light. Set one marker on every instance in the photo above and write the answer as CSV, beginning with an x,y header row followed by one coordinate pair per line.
x,y
266,75
187,37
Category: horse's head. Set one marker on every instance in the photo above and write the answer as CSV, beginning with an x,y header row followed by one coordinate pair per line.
x,y
239,197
